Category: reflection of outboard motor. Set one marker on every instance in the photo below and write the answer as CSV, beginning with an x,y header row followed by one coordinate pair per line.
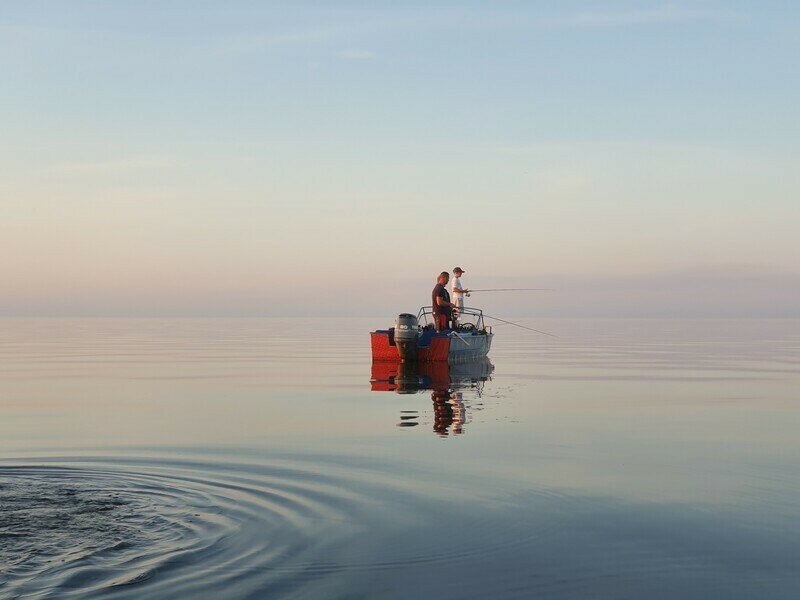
x,y
406,336
407,379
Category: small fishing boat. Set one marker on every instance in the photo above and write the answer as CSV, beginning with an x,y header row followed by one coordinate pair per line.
x,y
414,339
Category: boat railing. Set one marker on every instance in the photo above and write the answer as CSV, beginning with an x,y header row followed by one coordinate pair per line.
x,y
425,316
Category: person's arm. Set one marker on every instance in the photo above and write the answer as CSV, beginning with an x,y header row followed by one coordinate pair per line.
x,y
440,301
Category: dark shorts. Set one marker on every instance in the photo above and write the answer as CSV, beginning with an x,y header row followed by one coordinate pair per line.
x,y
440,321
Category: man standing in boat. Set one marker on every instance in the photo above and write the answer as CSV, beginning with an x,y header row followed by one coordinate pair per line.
x,y
458,292
440,299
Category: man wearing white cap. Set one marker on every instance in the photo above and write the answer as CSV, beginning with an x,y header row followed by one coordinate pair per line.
x,y
458,290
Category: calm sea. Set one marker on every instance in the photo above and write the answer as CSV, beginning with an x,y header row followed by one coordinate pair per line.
x,y
255,458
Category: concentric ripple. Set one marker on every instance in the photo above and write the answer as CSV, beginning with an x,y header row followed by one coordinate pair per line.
x,y
170,529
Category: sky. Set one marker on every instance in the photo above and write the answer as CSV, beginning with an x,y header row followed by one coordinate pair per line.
x,y
262,158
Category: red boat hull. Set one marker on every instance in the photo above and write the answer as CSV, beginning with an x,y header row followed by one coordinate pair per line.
x,y
384,350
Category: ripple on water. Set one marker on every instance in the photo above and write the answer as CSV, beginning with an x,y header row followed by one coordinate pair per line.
x,y
182,527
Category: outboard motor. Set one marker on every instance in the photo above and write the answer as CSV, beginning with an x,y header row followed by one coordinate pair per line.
x,y
406,336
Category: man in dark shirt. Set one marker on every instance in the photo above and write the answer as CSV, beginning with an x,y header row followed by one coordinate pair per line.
x,y
442,307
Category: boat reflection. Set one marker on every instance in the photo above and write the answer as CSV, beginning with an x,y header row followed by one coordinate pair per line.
x,y
448,385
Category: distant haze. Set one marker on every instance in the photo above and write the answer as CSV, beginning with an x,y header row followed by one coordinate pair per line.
x,y
249,159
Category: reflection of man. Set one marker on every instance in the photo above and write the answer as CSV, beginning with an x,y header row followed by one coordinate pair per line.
x,y
459,412
440,299
442,411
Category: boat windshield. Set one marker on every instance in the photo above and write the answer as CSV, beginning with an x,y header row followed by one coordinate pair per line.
x,y
466,317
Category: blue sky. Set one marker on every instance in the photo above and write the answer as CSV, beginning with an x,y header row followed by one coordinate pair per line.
x,y
263,158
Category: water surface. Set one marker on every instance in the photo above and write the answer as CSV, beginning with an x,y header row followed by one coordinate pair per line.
x,y
266,458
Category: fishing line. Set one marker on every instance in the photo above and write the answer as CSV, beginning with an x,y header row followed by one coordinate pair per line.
x,y
521,326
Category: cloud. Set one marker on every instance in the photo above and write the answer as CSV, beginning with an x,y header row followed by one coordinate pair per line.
x,y
344,27
245,44
114,166
341,32
353,54
664,14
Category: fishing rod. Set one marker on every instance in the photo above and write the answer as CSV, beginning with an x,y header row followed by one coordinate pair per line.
x,y
513,290
518,325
